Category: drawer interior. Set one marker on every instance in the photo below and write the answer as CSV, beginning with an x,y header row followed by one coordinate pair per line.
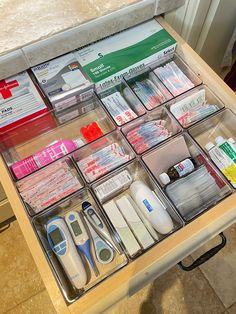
x,y
190,195
103,270
23,141
15,148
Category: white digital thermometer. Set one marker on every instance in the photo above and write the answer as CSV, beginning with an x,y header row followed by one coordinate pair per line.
x,y
103,251
61,242
98,225
80,236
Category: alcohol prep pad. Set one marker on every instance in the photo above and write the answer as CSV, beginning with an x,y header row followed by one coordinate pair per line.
x,y
63,82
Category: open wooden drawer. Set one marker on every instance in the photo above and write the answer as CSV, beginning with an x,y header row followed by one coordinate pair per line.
x,y
161,257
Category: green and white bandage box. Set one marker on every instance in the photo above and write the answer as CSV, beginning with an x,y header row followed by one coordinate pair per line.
x,y
125,53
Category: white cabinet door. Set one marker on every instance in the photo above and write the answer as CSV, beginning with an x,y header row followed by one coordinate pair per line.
x,y
189,19
207,26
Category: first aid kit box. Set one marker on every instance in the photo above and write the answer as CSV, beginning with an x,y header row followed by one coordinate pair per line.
x,y
20,101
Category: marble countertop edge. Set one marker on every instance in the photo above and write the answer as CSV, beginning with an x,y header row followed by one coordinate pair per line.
x,y
92,29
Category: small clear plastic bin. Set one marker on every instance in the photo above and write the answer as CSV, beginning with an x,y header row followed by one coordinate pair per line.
x,y
194,106
148,88
18,147
197,190
115,188
222,124
103,155
121,102
175,74
49,185
116,261
151,129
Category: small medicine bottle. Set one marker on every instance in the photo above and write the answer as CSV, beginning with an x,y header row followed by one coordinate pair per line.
x,y
179,170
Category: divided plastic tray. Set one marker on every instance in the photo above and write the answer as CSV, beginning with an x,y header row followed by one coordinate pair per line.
x,y
144,165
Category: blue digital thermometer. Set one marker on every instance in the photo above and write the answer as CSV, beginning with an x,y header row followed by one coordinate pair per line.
x,y
80,237
61,242
103,251
98,225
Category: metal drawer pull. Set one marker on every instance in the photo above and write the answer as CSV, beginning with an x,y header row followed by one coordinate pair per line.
x,y
206,256
4,228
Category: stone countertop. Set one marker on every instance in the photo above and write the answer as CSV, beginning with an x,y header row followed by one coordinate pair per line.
x,y
27,21
33,32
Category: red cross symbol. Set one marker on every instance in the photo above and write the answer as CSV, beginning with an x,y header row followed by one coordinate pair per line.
x,y
5,88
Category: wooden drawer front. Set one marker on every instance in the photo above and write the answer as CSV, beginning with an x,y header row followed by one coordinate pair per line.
x,y
2,193
6,211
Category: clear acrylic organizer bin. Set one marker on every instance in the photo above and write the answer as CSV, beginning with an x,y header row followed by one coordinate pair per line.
x,y
103,155
116,186
114,263
49,185
185,78
121,102
143,135
148,88
22,145
189,194
222,124
194,106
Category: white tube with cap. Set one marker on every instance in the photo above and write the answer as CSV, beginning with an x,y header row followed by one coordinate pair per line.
x,y
146,222
151,207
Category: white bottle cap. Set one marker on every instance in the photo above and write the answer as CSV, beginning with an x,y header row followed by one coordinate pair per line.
x,y
231,140
78,142
165,179
66,87
209,146
219,139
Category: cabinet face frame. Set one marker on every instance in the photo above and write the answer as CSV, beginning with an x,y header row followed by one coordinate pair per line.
x,y
161,257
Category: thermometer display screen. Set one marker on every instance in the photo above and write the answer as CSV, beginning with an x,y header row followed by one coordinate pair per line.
x,y
55,236
76,228
95,219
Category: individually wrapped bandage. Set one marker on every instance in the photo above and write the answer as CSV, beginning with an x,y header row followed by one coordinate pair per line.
x,y
149,94
173,78
119,109
103,161
48,185
192,108
147,135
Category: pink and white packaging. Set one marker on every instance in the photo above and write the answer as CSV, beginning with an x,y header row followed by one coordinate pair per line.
x,y
44,157
49,185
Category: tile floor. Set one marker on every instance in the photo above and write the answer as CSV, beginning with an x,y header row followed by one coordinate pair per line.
x,y
208,289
